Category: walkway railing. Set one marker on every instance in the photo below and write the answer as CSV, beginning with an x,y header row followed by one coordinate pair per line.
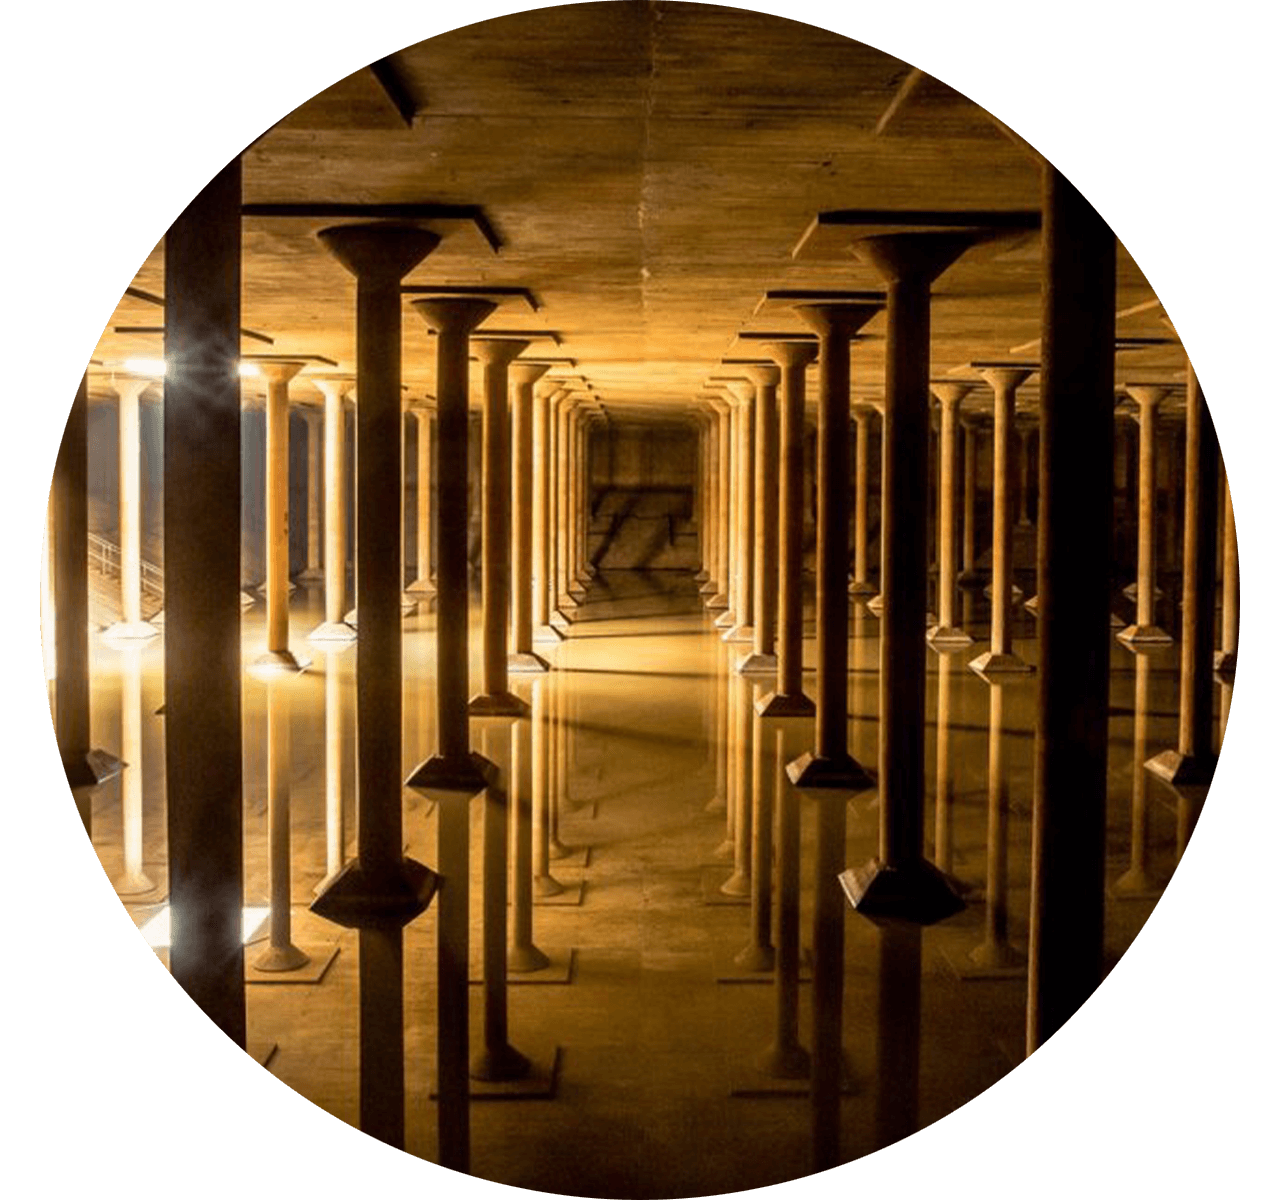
x,y
104,557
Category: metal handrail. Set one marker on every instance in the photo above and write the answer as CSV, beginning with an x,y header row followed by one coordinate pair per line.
x,y
104,557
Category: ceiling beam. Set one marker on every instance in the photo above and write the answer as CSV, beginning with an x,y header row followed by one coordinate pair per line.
x,y
393,84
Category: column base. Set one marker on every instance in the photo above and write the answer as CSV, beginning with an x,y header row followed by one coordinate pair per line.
x,y
860,587
990,960
783,704
1117,622
916,891
567,602
738,633
1137,883
547,635
157,619
811,770
277,664
737,885
789,1061
332,631
726,620
992,663
523,959
1224,662
719,602
1131,593
1144,635
758,664
755,958
547,885
422,587
310,575
701,576
499,1064
132,884
500,704
1033,605
350,618
130,631
408,603
578,591
440,778
948,637
876,604
1015,592
247,600
289,587
357,900
971,579
708,587
281,958
526,663
1182,770
561,622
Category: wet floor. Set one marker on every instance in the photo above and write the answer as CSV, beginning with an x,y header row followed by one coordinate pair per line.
x,y
649,1038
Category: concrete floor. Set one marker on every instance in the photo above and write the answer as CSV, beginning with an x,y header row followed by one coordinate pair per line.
x,y
652,1045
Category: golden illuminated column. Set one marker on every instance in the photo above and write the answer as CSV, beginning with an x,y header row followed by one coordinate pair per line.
x,y
544,397
566,601
524,577
313,573
542,755
829,764
426,417
1225,660
968,576
945,634
584,571
1192,763
131,626
944,784
1144,630
701,513
1000,658
738,622
758,954
522,955
860,585
132,879
277,375
334,628
787,698
574,585
495,699
718,600
763,660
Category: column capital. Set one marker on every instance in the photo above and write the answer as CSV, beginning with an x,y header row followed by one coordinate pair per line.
x,y
333,389
763,375
950,394
379,250
1006,378
278,370
838,320
454,314
497,352
1147,395
526,374
131,387
792,354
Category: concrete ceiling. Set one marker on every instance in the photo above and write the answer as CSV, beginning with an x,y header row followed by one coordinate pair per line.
x,y
650,168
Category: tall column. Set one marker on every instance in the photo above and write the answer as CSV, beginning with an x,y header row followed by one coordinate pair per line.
x,y
701,514
380,890
787,698
829,764
204,801
334,628
1139,882
454,774
1193,762
313,572
1001,659
495,698
763,660
544,399
132,879
1225,660
566,602
860,585
277,375
422,583
584,569
945,633
901,882
723,500
1077,429
740,628
131,626
1144,630
968,576
522,657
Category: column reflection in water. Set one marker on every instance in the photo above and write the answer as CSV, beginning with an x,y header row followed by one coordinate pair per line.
x,y
718,743
732,786
543,771
335,833
739,883
758,954
944,785
828,976
132,879
559,797
897,1095
523,955
1138,882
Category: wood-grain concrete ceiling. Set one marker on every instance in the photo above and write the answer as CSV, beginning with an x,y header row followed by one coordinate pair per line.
x,y
650,168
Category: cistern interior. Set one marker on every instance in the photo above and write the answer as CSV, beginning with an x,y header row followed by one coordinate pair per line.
x,y
647,629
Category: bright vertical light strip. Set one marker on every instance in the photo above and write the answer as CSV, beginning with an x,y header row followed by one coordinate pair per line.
x,y
157,935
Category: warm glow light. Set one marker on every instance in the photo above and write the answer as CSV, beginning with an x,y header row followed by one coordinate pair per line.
x,y
156,930
154,367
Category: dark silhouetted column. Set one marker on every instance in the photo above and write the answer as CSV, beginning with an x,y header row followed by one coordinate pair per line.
x,y
762,660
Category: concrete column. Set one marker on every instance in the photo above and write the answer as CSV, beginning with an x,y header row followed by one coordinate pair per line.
x,y
763,660
543,738
380,890
131,626
1225,660
944,788
701,514
522,955
1077,417
278,655
544,400
709,444
741,788
860,585
1023,431
313,572
945,633
523,586
968,576
132,879
1139,882
566,602
1001,659
1192,763
742,606
901,882
334,628
584,572
829,764
495,698
758,954
334,743
787,697
719,601
423,583
203,801
1144,630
